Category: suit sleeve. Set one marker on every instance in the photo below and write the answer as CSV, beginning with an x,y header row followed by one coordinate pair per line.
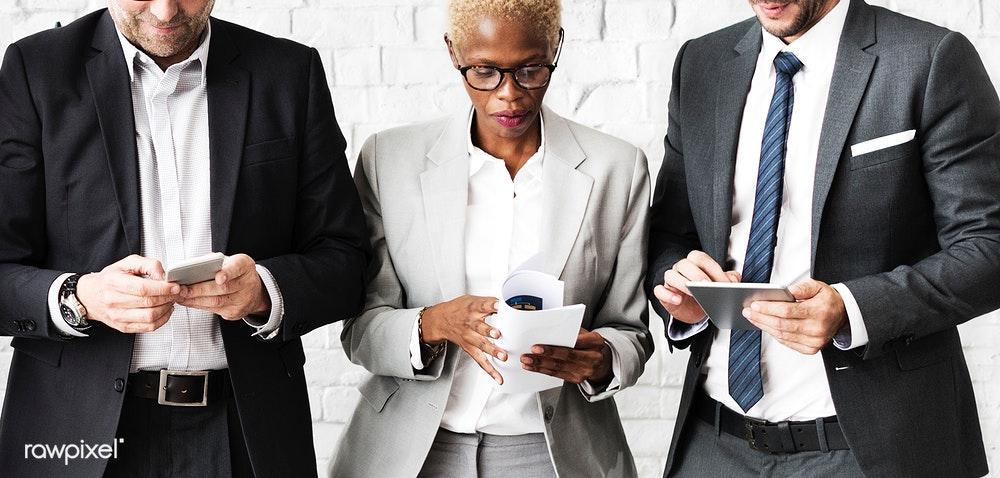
x,y
323,280
672,233
623,319
379,339
960,144
24,282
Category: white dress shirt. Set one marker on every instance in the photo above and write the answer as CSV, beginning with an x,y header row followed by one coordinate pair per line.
x,y
795,385
172,139
503,220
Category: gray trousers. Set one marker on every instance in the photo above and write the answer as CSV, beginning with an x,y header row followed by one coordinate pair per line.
x,y
706,452
460,455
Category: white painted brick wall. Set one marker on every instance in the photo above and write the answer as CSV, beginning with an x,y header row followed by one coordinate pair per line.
x,y
387,66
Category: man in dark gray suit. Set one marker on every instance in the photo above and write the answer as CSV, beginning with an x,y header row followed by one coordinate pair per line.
x,y
829,142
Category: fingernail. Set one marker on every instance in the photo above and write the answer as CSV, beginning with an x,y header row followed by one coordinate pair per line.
x,y
676,300
175,289
502,356
746,313
538,350
495,334
525,360
755,306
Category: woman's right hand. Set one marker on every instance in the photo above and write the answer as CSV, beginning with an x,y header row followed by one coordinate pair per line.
x,y
461,321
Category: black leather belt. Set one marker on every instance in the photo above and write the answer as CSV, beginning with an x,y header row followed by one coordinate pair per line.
x,y
783,437
181,388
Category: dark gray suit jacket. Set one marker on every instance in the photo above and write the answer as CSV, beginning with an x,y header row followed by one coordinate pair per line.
x,y
912,230
281,192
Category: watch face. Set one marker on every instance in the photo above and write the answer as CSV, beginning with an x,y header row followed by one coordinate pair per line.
x,y
73,311
68,315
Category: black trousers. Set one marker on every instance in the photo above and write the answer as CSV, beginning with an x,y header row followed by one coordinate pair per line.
x,y
179,442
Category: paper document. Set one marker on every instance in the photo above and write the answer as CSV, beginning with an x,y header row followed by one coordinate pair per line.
x,y
531,312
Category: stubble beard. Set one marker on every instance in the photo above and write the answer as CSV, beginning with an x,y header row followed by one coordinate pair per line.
x,y
189,29
808,11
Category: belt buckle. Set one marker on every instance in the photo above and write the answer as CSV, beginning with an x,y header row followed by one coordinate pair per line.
x,y
748,433
161,397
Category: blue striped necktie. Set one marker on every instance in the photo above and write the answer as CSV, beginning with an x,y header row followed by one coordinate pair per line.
x,y
746,385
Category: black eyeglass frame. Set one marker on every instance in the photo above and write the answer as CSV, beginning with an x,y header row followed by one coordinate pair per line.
x,y
512,71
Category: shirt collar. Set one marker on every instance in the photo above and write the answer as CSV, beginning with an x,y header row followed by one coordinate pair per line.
x,y
478,157
132,53
817,48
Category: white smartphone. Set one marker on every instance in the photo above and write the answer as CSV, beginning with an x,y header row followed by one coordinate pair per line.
x,y
195,270
724,301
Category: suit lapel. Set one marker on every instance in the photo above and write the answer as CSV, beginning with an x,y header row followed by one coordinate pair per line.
x,y
565,193
445,193
228,88
735,75
444,189
108,75
851,74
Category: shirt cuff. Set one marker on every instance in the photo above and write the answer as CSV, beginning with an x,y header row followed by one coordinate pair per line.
x,y
854,334
269,329
55,314
591,392
416,355
679,331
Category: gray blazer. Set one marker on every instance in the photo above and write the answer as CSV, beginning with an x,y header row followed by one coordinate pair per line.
x,y
913,230
413,183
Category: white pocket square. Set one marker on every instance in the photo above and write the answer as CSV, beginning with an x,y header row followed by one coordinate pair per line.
x,y
876,144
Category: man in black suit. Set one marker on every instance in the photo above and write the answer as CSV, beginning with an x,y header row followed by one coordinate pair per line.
x,y
852,153
133,139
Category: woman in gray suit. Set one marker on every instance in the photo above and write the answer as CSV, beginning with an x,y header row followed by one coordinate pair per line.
x,y
453,206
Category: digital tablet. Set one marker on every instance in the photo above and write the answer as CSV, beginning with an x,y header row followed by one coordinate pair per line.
x,y
724,301
195,270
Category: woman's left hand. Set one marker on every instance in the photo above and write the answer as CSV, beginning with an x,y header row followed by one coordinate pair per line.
x,y
589,360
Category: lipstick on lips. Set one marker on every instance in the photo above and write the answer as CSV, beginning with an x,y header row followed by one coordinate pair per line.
x,y
510,118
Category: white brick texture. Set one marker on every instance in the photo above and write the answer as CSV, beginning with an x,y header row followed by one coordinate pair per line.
x,y
387,65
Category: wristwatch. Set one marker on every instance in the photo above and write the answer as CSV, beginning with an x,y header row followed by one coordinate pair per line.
x,y
73,312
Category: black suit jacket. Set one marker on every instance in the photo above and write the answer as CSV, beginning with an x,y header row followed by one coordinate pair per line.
x,y
281,192
912,230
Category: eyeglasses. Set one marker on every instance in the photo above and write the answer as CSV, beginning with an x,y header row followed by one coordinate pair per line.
x,y
528,77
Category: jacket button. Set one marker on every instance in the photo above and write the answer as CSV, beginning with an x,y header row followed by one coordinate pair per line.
x,y
29,325
549,411
119,385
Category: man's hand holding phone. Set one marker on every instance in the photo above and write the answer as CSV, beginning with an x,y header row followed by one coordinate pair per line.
x,y
234,293
674,295
806,325
129,296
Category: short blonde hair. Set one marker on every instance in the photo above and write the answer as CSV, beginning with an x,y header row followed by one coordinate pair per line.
x,y
543,16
